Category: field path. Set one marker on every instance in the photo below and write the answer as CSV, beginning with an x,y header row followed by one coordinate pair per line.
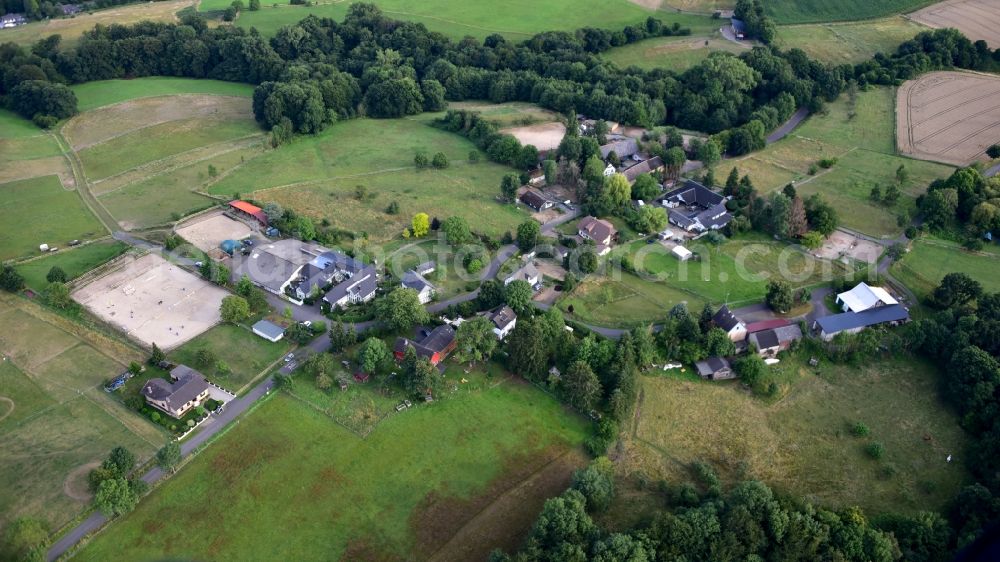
x,y
83,187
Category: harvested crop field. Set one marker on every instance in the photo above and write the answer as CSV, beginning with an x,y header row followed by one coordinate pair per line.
x,y
977,19
153,300
948,116
545,136
207,231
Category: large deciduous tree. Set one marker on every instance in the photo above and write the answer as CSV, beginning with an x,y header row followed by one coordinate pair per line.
x,y
401,309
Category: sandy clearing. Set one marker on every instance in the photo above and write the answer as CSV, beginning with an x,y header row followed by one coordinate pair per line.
x,y
153,300
207,231
545,136
841,244
948,117
76,485
977,19
106,123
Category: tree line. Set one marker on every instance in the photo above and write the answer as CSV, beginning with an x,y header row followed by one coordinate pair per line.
x,y
320,70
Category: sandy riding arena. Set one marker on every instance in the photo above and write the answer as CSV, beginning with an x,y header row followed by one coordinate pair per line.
x,y
545,136
206,232
976,19
153,300
948,117
840,244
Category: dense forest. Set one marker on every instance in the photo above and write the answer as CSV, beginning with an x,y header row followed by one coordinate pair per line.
x,y
320,70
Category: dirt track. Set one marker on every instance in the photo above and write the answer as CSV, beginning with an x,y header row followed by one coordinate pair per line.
x,y
977,19
948,117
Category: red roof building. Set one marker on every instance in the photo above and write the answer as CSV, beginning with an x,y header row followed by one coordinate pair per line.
x,y
250,210
767,325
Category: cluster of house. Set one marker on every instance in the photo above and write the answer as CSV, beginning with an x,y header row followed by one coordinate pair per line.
x,y
862,307
12,20
436,344
297,269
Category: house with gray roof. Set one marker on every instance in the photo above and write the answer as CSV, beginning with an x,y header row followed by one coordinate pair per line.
x,y
357,288
770,342
412,279
527,272
651,165
186,390
735,328
624,148
268,330
504,319
715,369
696,208
853,322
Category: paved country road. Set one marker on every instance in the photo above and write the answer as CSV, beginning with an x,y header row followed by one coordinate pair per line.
x,y
216,423
783,131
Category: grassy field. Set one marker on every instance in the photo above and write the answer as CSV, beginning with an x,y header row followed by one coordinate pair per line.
x,y
13,126
245,354
736,273
74,261
509,114
402,493
54,417
56,216
476,18
319,175
865,148
91,95
930,259
810,11
801,443
72,29
854,42
675,53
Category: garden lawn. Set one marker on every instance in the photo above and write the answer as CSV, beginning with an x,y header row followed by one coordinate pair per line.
x,y
930,259
801,443
54,416
318,176
809,11
519,19
55,216
74,261
399,494
246,354
851,43
91,95
627,301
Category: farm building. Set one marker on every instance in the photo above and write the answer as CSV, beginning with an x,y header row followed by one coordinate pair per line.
x,y
735,328
624,148
187,390
249,210
654,164
528,272
504,319
864,296
696,208
535,200
434,345
600,231
412,279
295,268
854,322
681,253
269,330
358,288
715,369
770,342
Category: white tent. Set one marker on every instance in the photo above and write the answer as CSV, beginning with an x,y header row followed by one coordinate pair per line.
x,y
682,253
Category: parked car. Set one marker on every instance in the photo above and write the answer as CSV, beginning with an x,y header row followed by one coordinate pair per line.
x,y
289,357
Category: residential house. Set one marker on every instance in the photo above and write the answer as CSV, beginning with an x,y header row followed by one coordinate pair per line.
x,y
864,296
186,390
527,272
249,210
609,170
434,345
600,231
735,328
654,164
770,342
715,369
414,280
356,289
624,148
696,208
739,28
268,330
681,253
535,200
504,319
12,20
854,322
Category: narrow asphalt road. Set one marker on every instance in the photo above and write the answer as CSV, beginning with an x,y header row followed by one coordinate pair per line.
x,y
209,429
992,171
788,126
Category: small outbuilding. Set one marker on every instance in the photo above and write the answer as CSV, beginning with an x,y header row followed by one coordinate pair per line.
x,y
269,331
230,246
715,369
682,253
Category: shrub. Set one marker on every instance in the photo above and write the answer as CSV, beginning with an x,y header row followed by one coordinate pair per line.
x,y
860,430
813,168
875,450
44,121
440,161
827,163
155,416
993,151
